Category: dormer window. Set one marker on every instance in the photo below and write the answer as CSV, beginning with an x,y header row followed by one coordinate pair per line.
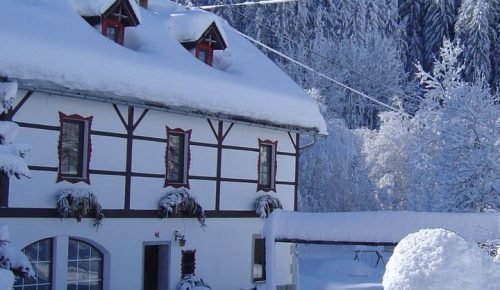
x,y
204,52
204,44
117,15
113,30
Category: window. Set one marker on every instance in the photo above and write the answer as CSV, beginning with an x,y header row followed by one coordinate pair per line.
x,y
85,266
204,52
113,30
177,158
40,255
259,260
74,148
267,166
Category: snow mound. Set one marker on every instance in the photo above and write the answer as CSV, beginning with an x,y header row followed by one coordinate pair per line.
x,y
440,259
6,279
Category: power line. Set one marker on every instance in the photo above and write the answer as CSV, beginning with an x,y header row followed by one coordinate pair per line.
x,y
287,38
319,73
343,85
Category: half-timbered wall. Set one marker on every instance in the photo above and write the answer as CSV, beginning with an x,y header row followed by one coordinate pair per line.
x,y
127,165
127,171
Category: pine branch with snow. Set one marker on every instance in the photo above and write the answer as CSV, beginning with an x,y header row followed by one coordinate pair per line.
x,y
180,200
8,92
78,203
265,204
13,261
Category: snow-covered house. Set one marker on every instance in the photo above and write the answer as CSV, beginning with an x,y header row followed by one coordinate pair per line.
x,y
124,120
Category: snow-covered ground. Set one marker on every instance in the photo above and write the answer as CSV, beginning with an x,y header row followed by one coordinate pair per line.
x,y
329,267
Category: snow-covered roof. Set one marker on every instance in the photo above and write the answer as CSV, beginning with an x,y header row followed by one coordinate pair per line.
x,y
189,25
377,226
98,7
383,227
54,46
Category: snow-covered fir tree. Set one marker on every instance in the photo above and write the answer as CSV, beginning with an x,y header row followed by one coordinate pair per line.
x,y
473,30
438,24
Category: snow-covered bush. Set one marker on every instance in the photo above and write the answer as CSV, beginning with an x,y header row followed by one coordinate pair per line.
x,y
440,259
12,155
192,282
12,261
265,204
180,200
78,203
8,92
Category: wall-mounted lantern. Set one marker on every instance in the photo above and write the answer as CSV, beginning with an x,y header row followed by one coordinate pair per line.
x,y
180,238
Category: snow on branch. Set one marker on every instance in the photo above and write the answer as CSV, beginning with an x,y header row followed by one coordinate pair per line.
x,y
265,204
8,92
13,259
180,200
12,155
192,282
78,203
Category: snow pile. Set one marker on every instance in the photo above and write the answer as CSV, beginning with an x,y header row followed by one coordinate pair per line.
x,y
12,155
180,200
265,204
12,259
8,92
78,203
6,279
440,259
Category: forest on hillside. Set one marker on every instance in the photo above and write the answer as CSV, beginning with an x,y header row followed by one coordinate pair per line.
x,y
432,141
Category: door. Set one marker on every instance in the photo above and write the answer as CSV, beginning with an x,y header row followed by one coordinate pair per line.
x,y
155,270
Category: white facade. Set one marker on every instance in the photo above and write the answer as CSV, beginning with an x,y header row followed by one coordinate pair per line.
x,y
130,198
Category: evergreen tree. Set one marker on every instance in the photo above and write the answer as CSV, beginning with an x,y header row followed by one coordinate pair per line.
x,y
412,13
438,24
472,28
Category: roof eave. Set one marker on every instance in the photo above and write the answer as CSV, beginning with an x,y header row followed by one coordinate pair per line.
x,y
51,88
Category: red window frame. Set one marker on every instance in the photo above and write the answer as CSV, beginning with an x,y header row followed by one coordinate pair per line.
x,y
186,157
85,152
209,52
274,164
106,22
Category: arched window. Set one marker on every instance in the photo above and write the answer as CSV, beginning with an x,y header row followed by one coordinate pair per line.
x,y
85,266
40,255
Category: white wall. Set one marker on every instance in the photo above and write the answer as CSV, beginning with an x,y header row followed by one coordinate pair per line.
x,y
223,250
109,153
